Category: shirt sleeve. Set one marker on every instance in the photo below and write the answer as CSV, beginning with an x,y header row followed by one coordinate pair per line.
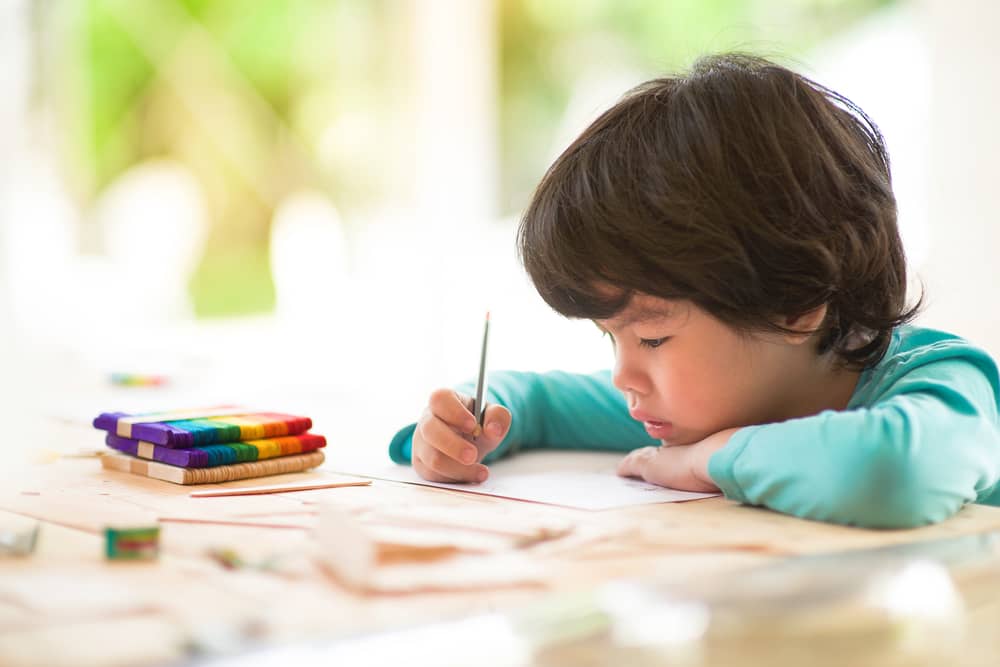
x,y
555,410
929,446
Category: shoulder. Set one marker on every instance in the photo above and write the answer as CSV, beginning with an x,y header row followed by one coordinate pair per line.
x,y
915,347
928,354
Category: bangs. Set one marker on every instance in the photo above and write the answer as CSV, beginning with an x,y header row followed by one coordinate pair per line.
x,y
566,276
586,235
586,301
578,263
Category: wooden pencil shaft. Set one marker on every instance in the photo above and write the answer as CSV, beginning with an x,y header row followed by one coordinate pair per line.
x,y
279,488
479,404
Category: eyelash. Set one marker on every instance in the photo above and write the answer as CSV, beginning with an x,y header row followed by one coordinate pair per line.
x,y
651,343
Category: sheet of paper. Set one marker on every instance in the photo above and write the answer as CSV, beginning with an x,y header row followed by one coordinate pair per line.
x,y
584,480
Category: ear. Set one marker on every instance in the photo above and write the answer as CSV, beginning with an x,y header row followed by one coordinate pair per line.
x,y
802,326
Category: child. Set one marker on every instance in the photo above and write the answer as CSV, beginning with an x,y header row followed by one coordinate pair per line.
x,y
733,232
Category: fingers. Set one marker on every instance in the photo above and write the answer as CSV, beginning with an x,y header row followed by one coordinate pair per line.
x,y
450,408
441,437
639,463
496,422
434,466
442,449
665,466
448,443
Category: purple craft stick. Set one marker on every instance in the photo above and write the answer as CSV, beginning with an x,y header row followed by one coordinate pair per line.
x,y
185,458
108,421
158,433
162,433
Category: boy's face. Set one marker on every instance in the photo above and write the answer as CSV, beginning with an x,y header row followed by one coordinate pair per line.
x,y
686,375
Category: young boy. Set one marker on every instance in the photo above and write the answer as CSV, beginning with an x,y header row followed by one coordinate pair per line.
x,y
733,232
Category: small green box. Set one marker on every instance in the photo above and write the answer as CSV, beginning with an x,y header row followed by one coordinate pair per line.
x,y
132,543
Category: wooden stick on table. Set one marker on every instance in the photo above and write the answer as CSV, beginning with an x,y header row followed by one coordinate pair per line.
x,y
277,488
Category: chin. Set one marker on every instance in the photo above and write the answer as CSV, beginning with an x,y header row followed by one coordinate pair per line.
x,y
680,440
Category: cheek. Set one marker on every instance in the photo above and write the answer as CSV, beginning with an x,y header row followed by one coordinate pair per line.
x,y
711,391
688,387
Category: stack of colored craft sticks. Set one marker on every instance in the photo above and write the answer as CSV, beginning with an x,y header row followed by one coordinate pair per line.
x,y
209,446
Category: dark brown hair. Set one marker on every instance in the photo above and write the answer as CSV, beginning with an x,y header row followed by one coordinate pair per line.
x,y
743,187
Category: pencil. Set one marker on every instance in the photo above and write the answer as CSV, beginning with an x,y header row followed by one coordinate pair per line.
x,y
479,402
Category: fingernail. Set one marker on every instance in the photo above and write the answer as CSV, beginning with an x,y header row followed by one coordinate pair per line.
x,y
481,476
468,455
494,429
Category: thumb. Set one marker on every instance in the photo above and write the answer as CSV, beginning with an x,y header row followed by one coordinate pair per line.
x,y
496,425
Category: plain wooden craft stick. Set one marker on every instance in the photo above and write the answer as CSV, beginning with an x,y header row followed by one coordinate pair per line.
x,y
232,522
277,488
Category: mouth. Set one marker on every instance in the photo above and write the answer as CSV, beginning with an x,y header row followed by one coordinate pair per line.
x,y
658,430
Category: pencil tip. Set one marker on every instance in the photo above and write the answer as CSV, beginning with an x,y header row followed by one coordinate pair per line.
x,y
487,315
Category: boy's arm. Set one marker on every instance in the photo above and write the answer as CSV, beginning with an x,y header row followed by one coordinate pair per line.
x,y
914,458
555,410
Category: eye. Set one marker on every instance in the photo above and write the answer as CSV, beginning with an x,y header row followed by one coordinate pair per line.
x,y
653,342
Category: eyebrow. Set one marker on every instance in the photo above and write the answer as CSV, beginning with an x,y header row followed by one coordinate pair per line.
x,y
642,315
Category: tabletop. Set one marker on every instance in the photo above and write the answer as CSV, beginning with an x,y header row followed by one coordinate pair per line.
x,y
243,573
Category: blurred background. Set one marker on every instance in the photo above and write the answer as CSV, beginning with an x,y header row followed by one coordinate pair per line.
x,y
308,205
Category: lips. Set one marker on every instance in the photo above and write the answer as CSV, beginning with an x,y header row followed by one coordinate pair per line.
x,y
658,429
644,417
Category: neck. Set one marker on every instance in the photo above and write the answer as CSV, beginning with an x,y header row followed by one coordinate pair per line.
x,y
823,385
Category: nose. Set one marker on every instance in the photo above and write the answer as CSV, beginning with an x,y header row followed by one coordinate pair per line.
x,y
628,375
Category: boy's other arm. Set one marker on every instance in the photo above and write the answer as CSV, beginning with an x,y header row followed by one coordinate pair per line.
x,y
556,410
914,458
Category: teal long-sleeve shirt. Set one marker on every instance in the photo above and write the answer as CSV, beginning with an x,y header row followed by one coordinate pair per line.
x,y
919,438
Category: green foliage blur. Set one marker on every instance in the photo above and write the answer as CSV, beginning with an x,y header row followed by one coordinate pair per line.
x,y
243,93
548,46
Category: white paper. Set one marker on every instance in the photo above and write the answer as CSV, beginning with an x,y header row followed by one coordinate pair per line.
x,y
584,480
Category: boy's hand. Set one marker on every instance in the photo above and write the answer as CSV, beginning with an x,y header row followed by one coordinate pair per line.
x,y
682,467
444,449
